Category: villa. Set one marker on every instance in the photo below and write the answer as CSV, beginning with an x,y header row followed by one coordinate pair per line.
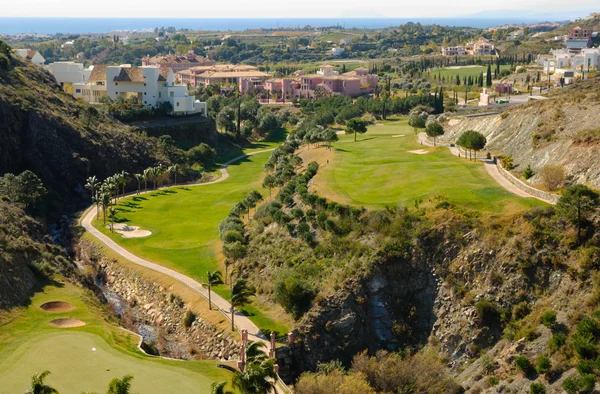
x,y
177,63
32,55
221,74
150,85
479,47
567,64
69,72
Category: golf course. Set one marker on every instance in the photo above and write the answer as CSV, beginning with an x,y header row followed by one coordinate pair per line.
x,y
62,331
388,167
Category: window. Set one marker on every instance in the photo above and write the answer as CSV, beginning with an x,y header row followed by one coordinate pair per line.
x,y
77,90
145,102
144,93
116,84
178,103
172,94
159,94
144,83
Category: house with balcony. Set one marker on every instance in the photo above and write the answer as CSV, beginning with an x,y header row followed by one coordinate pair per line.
x,y
149,85
454,51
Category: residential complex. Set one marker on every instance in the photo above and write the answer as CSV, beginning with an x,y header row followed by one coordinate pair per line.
x,y
150,85
220,74
69,72
177,63
32,55
566,63
479,47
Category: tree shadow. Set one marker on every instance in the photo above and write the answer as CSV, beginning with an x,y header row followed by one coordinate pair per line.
x,y
187,189
169,191
139,198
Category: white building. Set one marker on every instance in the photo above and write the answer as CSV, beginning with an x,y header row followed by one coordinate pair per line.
x,y
337,51
69,72
150,85
32,55
327,71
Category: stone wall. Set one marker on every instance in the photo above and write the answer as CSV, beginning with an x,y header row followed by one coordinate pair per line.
x,y
549,197
153,312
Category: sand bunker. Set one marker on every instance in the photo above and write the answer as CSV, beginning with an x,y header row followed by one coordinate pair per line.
x,y
419,152
57,306
399,135
67,323
128,231
340,132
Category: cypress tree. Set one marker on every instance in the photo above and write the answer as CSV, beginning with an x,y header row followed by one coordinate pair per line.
x,y
488,77
457,80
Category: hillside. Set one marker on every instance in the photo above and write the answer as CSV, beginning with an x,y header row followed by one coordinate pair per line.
x,y
48,132
560,131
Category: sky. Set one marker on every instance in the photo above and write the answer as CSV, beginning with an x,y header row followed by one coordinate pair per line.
x,y
559,9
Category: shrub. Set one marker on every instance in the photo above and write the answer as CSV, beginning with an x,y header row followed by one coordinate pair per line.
x,y
487,312
527,172
492,381
188,319
537,388
588,326
571,385
549,319
507,162
553,177
295,294
584,346
521,310
587,383
557,341
524,365
585,367
543,365
232,236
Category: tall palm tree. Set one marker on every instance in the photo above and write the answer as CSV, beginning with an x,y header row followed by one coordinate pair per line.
x,y
174,169
147,176
38,386
258,377
120,386
219,388
212,279
240,296
124,178
92,185
139,178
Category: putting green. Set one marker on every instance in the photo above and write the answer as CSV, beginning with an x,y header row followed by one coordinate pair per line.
x,y
387,166
29,344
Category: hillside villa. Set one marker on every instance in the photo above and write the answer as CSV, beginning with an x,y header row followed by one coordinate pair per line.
x,y
479,47
32,55
565,63
220,74
69,72
177,63
150,85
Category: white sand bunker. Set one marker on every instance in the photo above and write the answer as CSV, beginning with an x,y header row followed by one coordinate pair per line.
x,y
57,307
399,135
67,323
340,132
128,231
419,152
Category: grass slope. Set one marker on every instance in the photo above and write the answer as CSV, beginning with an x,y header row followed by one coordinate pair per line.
x,y
466,71
378,171
28,345
184,222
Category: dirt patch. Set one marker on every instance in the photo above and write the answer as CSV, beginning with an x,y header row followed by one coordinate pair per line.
x,y
419,152
128,231
341,132
57,306
399,135
67,323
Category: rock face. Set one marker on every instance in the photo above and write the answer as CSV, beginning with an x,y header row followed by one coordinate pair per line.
x,y
158,315
390,309
541,133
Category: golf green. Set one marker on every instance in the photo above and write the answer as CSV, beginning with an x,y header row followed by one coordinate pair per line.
x,y
86,358
388,167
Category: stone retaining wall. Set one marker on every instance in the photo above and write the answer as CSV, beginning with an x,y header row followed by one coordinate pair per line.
x,y
549,197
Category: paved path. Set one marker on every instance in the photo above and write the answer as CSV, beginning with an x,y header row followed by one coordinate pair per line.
x,y
241,321
491,169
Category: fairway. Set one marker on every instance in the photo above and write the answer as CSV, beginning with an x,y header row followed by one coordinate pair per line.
x,y
29,344
184,222
387,167
466,71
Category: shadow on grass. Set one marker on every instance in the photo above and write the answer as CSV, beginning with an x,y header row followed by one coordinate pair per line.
x,y
139,198
187,189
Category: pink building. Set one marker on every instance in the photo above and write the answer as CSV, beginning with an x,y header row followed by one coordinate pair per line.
x,y
222,74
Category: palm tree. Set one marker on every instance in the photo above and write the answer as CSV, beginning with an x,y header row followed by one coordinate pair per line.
x,y
147,176
212,279
174,169
38,386
139,178
124,178
240,296
92,184
258,377
120,386
105,201
255,352
219,388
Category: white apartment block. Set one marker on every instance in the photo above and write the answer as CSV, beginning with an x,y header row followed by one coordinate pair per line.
x,y
69,72
150,85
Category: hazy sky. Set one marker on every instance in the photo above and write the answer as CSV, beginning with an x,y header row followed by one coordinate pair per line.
x,y
283,8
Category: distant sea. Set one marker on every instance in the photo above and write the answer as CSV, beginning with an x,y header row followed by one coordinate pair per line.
x,y
104,25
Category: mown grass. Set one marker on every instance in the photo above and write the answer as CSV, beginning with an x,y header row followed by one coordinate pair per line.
x,y
184,221
29,344
466,71
378,170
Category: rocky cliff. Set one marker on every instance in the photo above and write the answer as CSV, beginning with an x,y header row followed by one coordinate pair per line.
x,y
560,131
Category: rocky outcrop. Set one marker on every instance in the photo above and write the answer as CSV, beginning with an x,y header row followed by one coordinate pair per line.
x,y
542,133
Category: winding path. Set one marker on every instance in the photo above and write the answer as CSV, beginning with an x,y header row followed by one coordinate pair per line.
x,y
491,169
242,322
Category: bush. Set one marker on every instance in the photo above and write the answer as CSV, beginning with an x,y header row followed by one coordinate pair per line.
x,y
543,365
537,388
549,319
571,385
557,341
188,319
492,381
524,365
587,383
295,294
553,177
521,310
507,162
585,367
588,326
585,346
527,172
487,312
